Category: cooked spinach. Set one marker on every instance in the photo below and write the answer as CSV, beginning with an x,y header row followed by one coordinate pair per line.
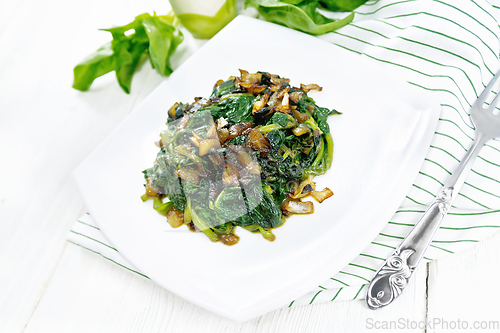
x,y
237,108
226,87
223,165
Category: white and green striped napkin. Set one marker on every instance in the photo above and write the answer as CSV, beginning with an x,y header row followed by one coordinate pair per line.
x,y
450,50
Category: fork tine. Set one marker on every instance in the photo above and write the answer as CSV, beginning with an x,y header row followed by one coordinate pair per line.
x,y
495,101
482,98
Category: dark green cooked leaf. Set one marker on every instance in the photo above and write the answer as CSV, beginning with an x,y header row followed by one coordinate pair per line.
x,y
237,109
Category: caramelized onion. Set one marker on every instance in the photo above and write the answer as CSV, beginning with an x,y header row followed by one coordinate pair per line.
x,y
188,174
223,134
215,157
308,87
208,144
198,105
282,92
304,189
194,141
273,100
310,108
250,78
307,150
221,122
277,82
301,117
299,207
251,82
218,83
296,96
212,132
275,88
175,218
301,129
237,129
196,136
171,111
152,191
321,196
253,88
284,105
229,239
183,122
261,103
230,175
246,160
257,141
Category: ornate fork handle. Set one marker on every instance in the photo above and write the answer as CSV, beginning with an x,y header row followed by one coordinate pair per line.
x,y
391,279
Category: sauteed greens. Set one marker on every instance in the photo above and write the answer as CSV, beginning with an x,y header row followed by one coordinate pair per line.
x,y
243,157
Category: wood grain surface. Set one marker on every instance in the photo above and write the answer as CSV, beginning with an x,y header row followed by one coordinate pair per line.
x,y
47,128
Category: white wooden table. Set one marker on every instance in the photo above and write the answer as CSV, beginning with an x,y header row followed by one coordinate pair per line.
x,y
47,128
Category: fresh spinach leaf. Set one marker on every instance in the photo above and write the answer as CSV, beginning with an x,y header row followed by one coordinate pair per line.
x,y
163,40
301,16
128,53
342,5
156,34
96,64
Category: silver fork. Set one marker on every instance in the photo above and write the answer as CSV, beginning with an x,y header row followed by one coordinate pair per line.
x,y
391,279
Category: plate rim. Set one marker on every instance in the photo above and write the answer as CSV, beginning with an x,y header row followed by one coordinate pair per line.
x,y
432,121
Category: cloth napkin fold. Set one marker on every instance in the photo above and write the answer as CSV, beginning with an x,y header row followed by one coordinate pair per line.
x,y
450,50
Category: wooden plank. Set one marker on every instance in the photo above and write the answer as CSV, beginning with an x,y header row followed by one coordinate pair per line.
x,y
29,254
46,129
463,289
89,294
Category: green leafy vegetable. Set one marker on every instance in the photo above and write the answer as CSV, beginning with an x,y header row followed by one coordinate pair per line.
x,y
127,55
244,157
97,64
224,88
237,108
160,207
342,5
279,121
163,40
155,36
300,15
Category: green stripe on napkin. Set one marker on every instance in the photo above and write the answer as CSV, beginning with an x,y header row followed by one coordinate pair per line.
x,y
449,50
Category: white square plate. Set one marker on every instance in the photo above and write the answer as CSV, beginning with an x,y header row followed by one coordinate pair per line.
x,y
380,143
